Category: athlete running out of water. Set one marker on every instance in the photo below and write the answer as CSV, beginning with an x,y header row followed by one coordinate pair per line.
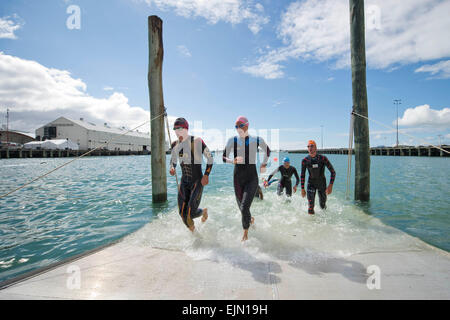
x,y
189,150
315,163
245,176
286,171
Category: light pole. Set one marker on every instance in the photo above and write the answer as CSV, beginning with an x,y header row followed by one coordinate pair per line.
x,y
440,136
7,128
397,102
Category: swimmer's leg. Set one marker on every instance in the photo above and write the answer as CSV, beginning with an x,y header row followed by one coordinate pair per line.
x,y
279,188
288,186
193,205
247,199
311,194
183,198
322,198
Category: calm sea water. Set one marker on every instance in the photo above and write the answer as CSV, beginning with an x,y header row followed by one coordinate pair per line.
x,y
96,200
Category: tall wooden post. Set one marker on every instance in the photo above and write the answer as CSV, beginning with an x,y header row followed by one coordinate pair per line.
x,y
158,154
361,125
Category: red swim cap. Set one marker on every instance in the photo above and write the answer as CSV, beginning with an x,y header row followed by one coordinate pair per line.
x,y
242,119
312,142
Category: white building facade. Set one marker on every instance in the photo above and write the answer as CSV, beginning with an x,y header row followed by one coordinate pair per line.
x,y
90,136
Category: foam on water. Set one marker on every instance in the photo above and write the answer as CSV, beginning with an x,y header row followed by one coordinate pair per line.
x,y
283,230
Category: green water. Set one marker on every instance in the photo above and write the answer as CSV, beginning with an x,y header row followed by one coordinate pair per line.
x,y
96,200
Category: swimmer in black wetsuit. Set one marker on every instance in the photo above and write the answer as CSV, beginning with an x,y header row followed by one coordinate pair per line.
x,y
190,150
245,176
315,163
286,171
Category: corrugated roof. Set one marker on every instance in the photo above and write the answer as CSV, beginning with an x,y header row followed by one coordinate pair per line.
x,y
94,127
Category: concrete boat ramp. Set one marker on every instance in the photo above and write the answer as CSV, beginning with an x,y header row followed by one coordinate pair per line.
x,y
126,271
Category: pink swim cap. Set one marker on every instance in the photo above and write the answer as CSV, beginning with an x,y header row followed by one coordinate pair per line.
x,y
242,119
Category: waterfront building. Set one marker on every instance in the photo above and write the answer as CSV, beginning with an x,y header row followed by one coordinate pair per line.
x,y
90,135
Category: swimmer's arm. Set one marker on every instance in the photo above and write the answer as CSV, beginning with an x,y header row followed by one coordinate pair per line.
x,y
272,174
330,167
209,158
265,148
173,155
303,174
296,177
227,150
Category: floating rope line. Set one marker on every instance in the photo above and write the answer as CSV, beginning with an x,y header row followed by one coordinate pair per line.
x,y
84,154
411,136
170,139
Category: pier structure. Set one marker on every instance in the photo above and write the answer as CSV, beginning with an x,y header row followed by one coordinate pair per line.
x,y
359,97
406,151
157,109
123,270
44,153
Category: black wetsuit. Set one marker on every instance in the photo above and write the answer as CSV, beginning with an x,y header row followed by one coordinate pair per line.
x,y
316,180
285,181
245,176
190,152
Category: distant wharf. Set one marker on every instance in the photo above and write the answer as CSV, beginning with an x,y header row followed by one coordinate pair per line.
x,y
407,151
420,151
28,153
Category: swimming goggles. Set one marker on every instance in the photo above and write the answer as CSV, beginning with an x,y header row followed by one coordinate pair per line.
x,y
241,125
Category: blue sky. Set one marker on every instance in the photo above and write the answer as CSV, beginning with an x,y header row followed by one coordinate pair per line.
x,y
283,64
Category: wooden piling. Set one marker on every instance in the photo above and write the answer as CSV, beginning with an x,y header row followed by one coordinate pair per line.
x,y
158,158
361,125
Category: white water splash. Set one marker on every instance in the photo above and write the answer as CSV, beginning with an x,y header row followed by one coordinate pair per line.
x,y
283,230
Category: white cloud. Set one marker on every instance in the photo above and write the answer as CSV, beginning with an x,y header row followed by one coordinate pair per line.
x,y
184,51
278,103
230,11
36,95
440,70
8,25
397,33
425,116
264,69
108,88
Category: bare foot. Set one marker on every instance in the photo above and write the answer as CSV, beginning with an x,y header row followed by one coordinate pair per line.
x,y
252,223
245,236
205,215
192,228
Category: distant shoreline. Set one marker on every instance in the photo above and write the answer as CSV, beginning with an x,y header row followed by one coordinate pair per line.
x,y
408,151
